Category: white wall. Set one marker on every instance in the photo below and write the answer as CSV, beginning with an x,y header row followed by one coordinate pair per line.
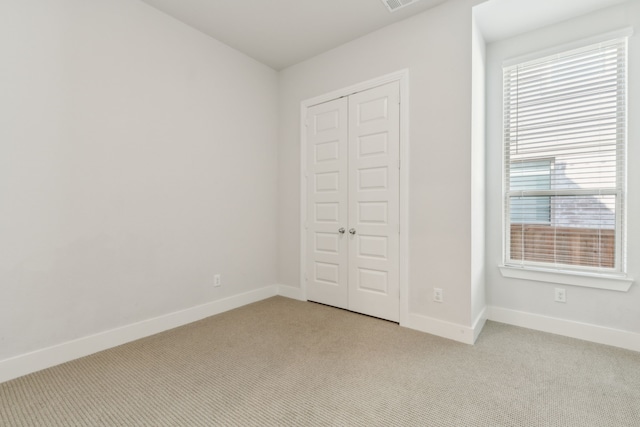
x,y
137,158
436,48
610,309
478,173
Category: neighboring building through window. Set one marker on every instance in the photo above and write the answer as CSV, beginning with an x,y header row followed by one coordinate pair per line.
x,y
564,159
531,175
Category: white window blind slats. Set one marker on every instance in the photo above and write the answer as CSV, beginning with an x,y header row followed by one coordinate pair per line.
x,y
598,50
606,110
588,70
570,110
564,132
524,110
604,80
611,127
599,69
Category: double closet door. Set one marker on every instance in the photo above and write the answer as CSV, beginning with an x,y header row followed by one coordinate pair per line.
x,y
353,191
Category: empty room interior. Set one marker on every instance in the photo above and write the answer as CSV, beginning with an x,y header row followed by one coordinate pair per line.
x,y
363,212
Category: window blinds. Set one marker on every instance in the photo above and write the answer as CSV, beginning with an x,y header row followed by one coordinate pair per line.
x,y
564,157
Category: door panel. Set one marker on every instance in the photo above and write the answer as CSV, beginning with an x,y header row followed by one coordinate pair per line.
x,y
327,192
374,202
353,184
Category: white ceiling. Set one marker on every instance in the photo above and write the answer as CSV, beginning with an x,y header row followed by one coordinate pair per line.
x,y
281,33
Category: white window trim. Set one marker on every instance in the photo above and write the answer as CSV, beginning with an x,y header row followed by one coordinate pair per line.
x,y
611,282
614,280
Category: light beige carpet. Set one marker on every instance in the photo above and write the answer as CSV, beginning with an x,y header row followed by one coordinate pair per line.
x,y
281,362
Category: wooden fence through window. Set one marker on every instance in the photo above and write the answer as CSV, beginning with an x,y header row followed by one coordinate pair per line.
x,y
590,247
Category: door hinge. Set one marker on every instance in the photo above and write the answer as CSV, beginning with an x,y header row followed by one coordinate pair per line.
x,y
306,122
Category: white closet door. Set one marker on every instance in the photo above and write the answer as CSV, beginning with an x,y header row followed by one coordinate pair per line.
x,y
374,202
327,193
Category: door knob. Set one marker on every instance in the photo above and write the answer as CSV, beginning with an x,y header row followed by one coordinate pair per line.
x,y
352,231
341,230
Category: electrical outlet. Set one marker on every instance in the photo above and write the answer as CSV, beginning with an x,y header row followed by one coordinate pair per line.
x,y
561,295
217,280
437,294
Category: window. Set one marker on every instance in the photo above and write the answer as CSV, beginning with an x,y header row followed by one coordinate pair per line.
x,y
527,175
564,160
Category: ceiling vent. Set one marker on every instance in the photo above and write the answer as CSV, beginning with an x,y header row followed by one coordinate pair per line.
x,y
394,5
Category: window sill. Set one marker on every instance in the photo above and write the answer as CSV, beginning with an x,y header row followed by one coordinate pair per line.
x,y
620,283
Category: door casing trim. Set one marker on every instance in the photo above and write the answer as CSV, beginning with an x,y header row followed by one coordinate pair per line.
x,y
401,76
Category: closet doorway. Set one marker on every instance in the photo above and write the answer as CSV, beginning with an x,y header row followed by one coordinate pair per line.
x,y
352,220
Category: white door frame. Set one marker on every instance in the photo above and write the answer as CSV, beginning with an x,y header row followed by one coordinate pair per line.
x,y
402,77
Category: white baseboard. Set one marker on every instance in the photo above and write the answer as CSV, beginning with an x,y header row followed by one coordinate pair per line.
x,y
441,328
584,331
418,322
291,292
41,359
